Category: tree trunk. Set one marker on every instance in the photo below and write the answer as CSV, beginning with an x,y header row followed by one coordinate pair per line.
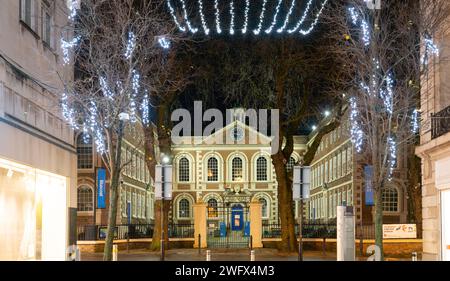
x,y
288,239
379,220
113,195
156,239
415,192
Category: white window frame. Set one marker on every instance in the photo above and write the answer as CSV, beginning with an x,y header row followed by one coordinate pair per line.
x,y
258,170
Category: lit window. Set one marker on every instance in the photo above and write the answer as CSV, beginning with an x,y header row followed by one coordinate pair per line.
x,y
261,169
183,170
213,174
84,152
236,169
85,198
183,208
212,208
264,208
390,199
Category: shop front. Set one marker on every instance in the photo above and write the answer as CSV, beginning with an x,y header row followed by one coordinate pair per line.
x,y
33,213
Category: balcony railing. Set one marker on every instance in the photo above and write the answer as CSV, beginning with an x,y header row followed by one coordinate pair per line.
x,y
440,123
132,231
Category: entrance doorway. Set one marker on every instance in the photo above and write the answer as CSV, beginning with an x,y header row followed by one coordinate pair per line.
x,y
228,226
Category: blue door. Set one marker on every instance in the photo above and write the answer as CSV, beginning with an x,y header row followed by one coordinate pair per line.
x,y
237,218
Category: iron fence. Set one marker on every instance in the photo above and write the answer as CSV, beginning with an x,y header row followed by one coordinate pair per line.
x,y
132,231
315,230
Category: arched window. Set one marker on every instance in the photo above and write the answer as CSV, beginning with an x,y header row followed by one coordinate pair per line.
x,y
85,198
213,171
212,208
290,164
261,169
183,208
264,209
84,152
183,170
236,169
390,199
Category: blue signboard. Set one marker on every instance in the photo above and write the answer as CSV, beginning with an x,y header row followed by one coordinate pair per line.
x,y
237,218
223,229
101,188
247,229
369,192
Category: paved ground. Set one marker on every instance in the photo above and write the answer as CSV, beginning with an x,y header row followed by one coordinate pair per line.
x,y
216,255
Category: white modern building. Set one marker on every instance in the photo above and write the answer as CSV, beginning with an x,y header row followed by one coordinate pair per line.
x,y
37,155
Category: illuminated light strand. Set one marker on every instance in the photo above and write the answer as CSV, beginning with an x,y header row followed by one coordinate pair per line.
x,y
72,6
131,45
135,85
174,16
274,21
430,47
353,15
392,148
202,17
217,13
231,17
366,34
86,136
98,136
316,20
66,46
415,122
68,112
286,20
261,18
388,95
145,108
302,19
105,89
164,42
186,18
355,130
247,8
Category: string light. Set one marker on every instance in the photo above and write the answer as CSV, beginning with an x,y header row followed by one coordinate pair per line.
x,y
247,8
164,43
387,95
135,85
145,108
131,45
316,20
392,148
286,20
300,22
231,17
68,112
364,26
415,121
354,15
66,46
174,16
430,47
217,13
355,130
186,19
105,89
261,18
202,17
94,128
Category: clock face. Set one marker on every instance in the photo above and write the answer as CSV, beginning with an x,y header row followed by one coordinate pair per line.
x,y
237,134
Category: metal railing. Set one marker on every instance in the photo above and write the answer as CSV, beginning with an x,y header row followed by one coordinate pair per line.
x,y
132,231
440,123
310,230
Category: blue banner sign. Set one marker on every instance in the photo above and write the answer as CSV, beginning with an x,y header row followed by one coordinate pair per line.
x,y
101,188
369,192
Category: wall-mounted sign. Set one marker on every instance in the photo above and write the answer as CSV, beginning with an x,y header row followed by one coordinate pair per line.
x,y
368,187
101,188
393,231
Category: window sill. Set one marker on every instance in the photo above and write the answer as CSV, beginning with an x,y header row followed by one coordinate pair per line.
x,y
26,26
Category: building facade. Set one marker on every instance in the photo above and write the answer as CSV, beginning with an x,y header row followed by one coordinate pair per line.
x,y
434,150
136,193
226,175
338,178
37,152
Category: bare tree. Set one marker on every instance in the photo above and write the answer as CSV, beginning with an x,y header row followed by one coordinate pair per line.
x,y
114,45
381,51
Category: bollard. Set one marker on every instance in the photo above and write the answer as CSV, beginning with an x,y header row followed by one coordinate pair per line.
x,y
414,256
324,246
115,252
252,255
199,244
251,242
208,255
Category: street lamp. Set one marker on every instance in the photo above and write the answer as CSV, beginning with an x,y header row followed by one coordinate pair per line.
x,y
163,191
300,185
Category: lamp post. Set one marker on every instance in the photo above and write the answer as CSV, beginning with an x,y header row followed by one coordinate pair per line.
x,y
300,185
163,190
